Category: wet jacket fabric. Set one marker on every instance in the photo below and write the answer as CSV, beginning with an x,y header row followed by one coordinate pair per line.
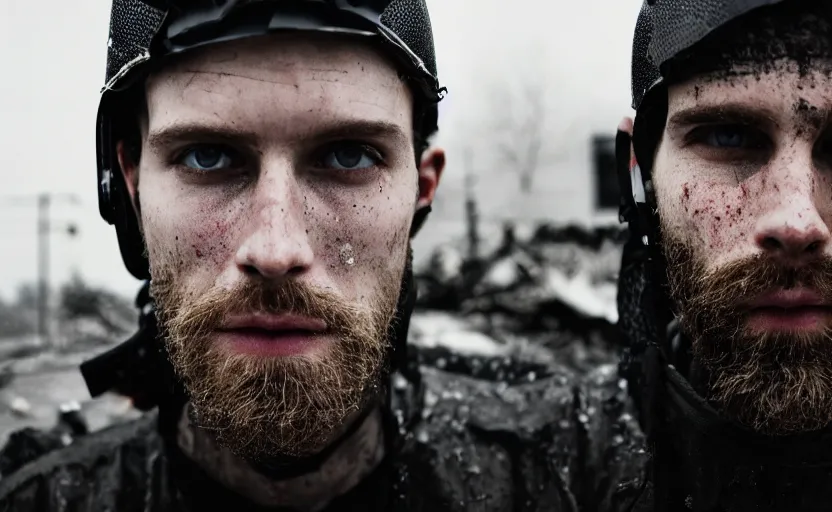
x,y
702,462
559,443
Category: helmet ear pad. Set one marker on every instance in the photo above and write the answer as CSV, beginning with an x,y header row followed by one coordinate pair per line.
x,y
118,122
130,239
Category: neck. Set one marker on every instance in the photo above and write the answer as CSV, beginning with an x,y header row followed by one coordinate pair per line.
x,y
351,462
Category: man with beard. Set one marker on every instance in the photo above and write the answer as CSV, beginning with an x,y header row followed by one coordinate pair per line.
x,y
265,165
726,286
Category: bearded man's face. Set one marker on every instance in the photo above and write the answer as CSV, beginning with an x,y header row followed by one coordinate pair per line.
x,y
278,184
743,179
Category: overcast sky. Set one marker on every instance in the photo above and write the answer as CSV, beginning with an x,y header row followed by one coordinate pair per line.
x,y
52,59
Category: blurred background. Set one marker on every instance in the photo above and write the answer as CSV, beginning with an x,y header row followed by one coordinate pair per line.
x,y
518,259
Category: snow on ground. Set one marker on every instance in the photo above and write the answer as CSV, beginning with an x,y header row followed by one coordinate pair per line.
x,y
436,329
590,300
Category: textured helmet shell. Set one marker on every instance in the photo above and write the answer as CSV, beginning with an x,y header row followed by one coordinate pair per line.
x,y
667,27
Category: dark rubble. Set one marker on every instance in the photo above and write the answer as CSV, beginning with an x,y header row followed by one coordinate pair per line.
x,y
553,290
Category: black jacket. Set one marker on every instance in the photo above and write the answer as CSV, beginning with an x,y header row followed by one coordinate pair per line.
x,y
559,443
703,462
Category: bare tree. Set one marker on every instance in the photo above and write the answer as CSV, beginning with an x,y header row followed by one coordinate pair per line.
x,y
519,117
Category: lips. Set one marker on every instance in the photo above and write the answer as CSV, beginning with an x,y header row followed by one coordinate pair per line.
x,y
790,299
795,310
276,324
266,335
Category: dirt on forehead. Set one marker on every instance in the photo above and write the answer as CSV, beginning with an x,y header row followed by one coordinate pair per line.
x,y
758,42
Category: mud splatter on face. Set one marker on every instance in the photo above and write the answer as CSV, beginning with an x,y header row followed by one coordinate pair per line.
x,y
347,255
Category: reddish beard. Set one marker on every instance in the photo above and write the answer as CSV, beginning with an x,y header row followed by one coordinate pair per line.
x,y
263,407
774,382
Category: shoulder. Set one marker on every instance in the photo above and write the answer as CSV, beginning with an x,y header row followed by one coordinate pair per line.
x,y
98,463
574,434
607,413
481,443
522,407
615,448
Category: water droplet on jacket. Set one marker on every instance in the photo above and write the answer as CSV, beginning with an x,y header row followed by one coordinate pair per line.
x,y
430,399
583,418
422,436
399,382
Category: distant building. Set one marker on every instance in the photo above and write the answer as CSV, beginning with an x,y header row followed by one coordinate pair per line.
x,y
581,188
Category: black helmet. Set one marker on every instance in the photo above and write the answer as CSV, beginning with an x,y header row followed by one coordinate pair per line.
x,y
665,28
144,31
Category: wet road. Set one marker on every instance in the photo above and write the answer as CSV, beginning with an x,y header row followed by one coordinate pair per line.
x,y
42,383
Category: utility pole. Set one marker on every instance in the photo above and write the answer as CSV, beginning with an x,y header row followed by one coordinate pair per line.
x,y
44,200
44,232
471,213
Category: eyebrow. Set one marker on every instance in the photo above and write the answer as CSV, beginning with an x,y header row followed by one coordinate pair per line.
x,y
179,133
729,113
342,129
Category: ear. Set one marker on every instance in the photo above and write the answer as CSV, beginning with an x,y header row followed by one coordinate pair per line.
x,y
129,171
626,126
625,137
430,171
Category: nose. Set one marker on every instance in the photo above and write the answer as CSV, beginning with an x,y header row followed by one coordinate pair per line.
x,y
277,246
793,243
793,232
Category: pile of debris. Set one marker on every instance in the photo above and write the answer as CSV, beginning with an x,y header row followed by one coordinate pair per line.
x,y
554,289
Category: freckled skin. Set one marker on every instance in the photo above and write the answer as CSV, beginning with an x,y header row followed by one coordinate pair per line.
x,y
722,205
283,213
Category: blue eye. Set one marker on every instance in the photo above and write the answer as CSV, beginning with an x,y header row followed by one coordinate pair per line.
x,y
726,138
207,158
350,157
734,137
